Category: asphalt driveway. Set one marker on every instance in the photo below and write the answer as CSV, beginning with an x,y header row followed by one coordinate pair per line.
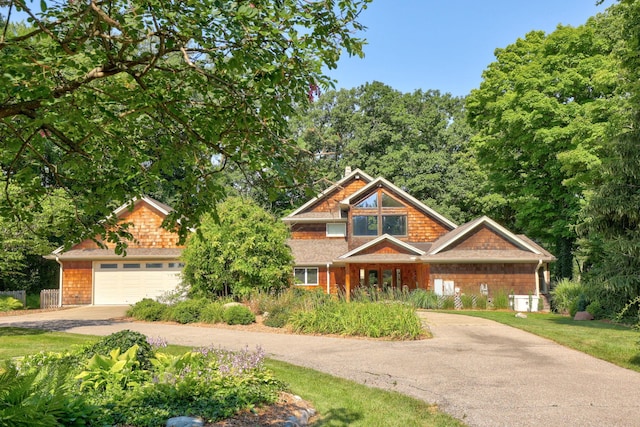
x,y
479,371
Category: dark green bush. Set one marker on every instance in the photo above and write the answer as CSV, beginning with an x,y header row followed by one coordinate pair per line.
x,y
188,311
278,317
578,304
596,310
123,340
148,310
212,313
238,315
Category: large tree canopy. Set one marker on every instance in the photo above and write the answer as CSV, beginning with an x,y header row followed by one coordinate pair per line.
x,y
419,141
107,99
542,112
611,227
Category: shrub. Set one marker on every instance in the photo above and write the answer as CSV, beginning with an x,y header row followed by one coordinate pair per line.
x,y
447,303
33,300
423,299
481,302
565,294
467,301
500,300
596,310
123,340
213,312
8,303
148,310
238,315
188,311
278,317
578,304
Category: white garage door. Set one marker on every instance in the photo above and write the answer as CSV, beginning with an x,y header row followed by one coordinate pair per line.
x,y
116,283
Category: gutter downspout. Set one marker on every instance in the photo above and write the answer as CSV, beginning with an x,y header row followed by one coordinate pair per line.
x,y
60,282
328,279
538,278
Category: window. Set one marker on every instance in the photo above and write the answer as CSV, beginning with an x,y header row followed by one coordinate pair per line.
x,y
365,225
370,202
336,230
153,265
108,266
306,276
176,264
130,266
390,202
396,225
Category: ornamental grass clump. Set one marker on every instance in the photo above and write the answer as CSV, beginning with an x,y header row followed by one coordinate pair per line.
x,y
374,320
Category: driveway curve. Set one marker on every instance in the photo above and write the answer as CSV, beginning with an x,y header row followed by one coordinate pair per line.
x,y
477,370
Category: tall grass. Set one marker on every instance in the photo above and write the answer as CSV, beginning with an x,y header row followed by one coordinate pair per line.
x,y
374,320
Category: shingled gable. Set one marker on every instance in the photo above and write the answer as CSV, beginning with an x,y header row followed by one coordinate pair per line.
x,y
412,250
305,212
382,182
513,248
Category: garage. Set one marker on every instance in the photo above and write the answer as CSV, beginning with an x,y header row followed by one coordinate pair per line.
x,y
117,283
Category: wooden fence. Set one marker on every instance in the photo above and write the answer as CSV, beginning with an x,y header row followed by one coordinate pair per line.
x,y
49,298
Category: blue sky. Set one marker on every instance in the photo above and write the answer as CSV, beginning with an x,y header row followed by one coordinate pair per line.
x,y
446,45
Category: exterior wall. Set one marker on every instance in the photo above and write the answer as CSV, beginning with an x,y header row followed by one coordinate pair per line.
x,y
383,248
77,279
519,279
310,231
329,203
484,239
146,230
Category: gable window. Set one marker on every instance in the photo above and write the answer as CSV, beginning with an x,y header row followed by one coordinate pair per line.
x,y
390,202
306,276
370,202
390,216
365,225
336,230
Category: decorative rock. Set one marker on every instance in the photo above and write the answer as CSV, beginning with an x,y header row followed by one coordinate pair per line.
x,y
185,422
583,315
521,315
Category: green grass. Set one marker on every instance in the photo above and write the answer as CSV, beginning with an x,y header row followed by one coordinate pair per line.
x,y
607,341
20,341
339,402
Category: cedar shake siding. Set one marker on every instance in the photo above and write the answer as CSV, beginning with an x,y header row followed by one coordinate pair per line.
x,y
146,230
484,239
330,202
77,277
518,279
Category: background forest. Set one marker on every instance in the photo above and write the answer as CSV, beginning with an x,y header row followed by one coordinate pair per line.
x,y
547,146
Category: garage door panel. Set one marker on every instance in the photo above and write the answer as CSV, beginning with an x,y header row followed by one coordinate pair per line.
x,y
121,285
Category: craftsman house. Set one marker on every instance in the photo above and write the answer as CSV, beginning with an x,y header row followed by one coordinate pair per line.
x,y
93,275
367,232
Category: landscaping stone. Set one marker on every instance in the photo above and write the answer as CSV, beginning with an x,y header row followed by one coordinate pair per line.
x,y
231,304
185,422
583,315
521,315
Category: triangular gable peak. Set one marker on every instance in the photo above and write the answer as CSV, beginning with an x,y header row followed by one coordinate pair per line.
x,y
401,194
482,234
146,216
326,204
384,244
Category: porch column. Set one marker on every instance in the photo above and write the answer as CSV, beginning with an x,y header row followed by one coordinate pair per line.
x,y
347,282
420,277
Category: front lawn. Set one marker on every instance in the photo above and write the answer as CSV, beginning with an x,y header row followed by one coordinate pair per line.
x,y
339,402
607,341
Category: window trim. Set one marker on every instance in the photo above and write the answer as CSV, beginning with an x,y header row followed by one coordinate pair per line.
x,y
306,276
